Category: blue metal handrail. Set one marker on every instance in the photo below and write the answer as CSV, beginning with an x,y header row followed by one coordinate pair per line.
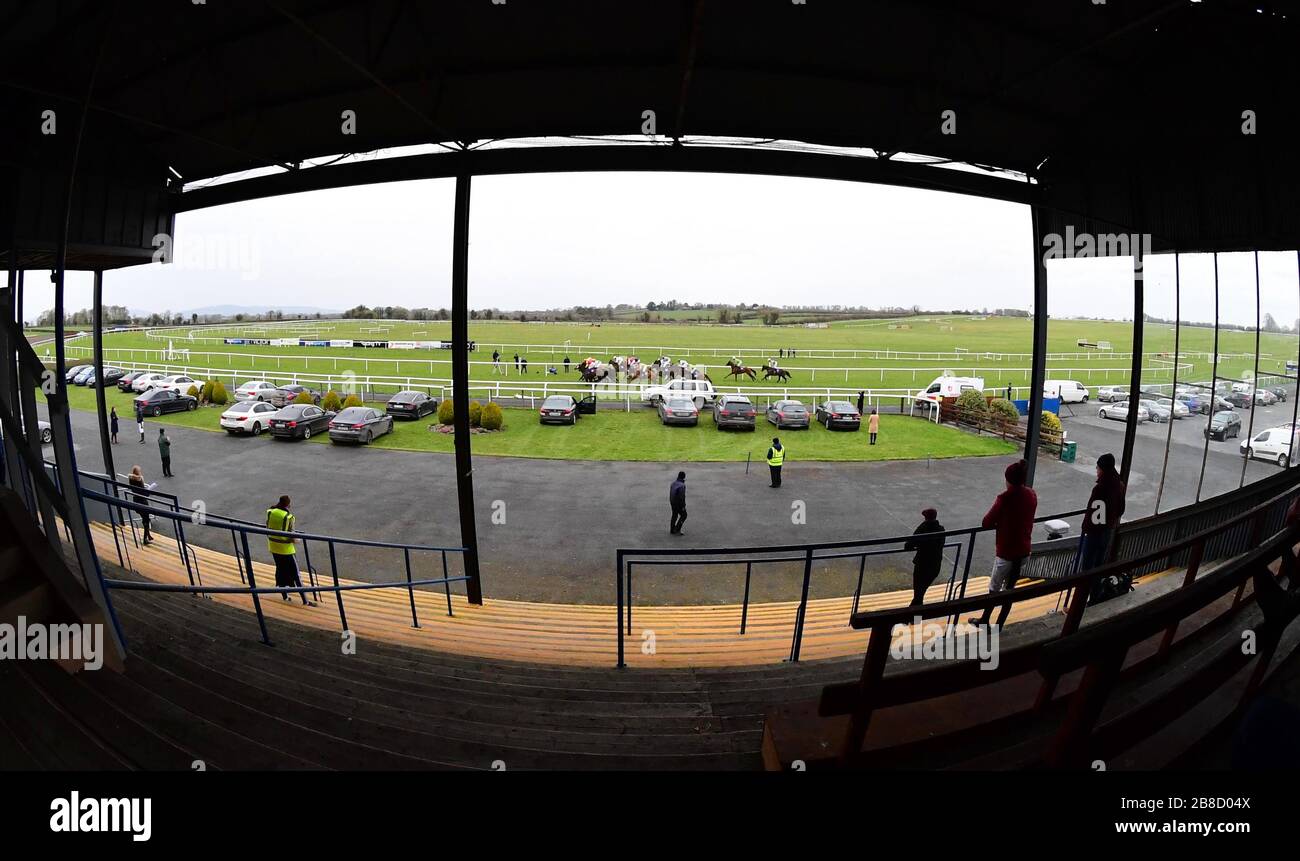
x,y
240,530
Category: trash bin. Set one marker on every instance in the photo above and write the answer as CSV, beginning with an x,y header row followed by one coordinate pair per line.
x,y
1068,451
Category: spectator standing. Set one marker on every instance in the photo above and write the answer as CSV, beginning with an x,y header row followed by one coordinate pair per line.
x,y
139,420
165,450
524,365
929,554
283,548
677,501
873,425
112,424
496,362
862,402
140,497
566,363
516,363
775,459
1012,518
1105,508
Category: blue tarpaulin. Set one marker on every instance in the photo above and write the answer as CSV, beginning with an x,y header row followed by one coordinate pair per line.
x,y
1051,405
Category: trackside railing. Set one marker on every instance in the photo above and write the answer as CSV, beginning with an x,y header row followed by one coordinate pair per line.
x,y
1144,546
122,505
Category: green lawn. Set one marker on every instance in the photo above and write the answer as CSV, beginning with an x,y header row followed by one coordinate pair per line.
x,y
637,436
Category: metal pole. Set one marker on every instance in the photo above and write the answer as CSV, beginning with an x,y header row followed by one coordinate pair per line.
x,y
105,444
803,606
460,387
1038,362
1214,381
1173,388
618,623
1254,382
1135,378
1295,390
252,588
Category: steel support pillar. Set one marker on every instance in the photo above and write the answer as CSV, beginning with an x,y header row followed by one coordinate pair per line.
x,y
1038,363
460,387
1135,378
1254,381
105,443
1214,383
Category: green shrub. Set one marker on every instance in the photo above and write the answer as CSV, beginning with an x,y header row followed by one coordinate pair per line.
x,y
205,394
331,402
971,406
304,397
1050,427
492,417
194,393
219,396
351,401
446,412
475,413
1004,413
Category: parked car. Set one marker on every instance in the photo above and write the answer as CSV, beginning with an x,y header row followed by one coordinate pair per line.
x,y
1265,397
255,390
1196,402
286,395
127,380
179,383
47,433
1119,412
360,425
72,372
1240,400
411,405
1223,425
146,381
111,376
250,417
1155,411
700,392
839,414
734,411
83,375
558,409
1279,392
1273,444
1179,409
788,414
678,409
155,402
299,421
1110,394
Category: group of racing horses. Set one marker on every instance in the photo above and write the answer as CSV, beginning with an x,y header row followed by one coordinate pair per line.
x,y
594,371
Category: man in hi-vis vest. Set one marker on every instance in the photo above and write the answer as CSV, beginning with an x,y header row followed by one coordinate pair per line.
x,y
775,457
283,548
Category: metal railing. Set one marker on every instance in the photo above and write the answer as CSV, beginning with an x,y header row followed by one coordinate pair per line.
x,y
120,499
1137,545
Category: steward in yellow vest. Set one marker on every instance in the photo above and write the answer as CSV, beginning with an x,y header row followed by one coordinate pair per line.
x,y
775,457
283,548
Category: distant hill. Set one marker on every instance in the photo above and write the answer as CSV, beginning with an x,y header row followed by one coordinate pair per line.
x,y
232,310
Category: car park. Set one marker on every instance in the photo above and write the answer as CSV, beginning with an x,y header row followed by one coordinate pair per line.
x,y
155,402
299,421
411,405
286,395
72,372
147,381
678,409
1068,391
734,411
1224,425
359,425
558,409
788,414
839,414
700,392
83,375
1178,409
1119,412
1273,444
255,390
248,417
1110,394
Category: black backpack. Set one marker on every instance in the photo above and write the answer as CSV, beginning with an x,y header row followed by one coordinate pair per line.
x,y
1111,586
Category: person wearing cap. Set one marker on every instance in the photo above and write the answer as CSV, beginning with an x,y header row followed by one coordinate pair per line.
x,y
677,500
927,541
1105,507
1012,519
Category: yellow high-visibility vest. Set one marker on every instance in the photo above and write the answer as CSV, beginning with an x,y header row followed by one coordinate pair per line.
x,y
775,456
278,518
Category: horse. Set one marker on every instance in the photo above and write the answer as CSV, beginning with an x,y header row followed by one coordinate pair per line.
x,y
597,373
739,371
780,373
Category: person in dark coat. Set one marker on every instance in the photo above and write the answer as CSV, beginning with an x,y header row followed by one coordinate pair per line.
x,y
112,425
1105,507
926,540
139,420
862,402
677,500
140,496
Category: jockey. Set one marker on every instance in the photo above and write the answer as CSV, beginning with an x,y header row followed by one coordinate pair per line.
x,y
771,363
735,360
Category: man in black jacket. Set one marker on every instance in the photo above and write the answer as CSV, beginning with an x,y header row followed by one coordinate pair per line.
x,y
677,499
929,554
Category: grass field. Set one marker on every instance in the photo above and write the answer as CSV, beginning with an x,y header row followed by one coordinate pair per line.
x,y
618,435
986,342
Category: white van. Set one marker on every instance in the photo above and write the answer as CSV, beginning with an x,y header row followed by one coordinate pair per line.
x,y
1068,391
1273,444
949,387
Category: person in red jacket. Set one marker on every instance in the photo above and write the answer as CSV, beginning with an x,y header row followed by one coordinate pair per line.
x,y
1012,518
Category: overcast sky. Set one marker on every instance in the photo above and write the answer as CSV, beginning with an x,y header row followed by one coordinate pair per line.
x,y
547,241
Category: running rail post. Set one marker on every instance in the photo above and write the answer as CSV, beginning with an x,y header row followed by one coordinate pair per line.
x,y
460,387
1135,380
1038,361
